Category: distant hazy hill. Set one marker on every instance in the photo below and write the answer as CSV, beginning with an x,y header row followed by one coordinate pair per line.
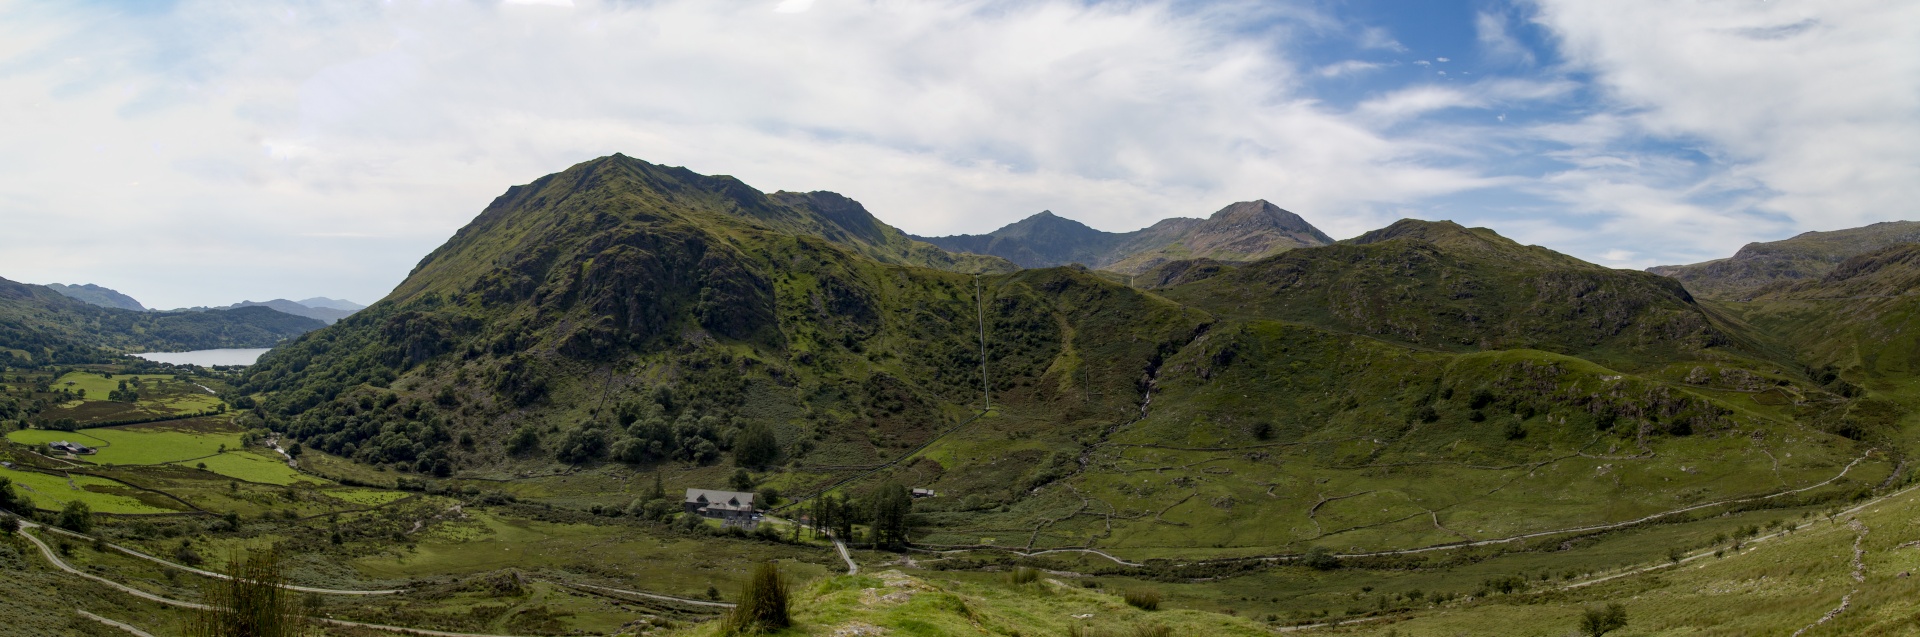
x,y
336,304
39,325
327,315
1807,256
94,294
1244,231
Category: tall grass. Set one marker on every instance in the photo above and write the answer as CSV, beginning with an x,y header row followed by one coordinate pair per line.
x,y
253,602
763,604
1023,575
1143,630
1142,598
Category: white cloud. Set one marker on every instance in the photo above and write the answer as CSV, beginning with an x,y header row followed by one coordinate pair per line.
x,y
1496,43
793,6
1348,67
1816,104
322,153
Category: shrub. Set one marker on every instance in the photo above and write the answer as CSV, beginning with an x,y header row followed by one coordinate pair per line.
x,y
1319,558
1023,575
1142,598
1600,621
76,517
763,604
253,601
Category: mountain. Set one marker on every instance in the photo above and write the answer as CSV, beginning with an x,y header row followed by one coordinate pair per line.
x,y
1439,285
39,325
1807,256
96,295
622,317
1857,318
1243,231
327,315
334,304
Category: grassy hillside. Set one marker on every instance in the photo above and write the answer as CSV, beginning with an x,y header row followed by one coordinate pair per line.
x,y
1419,385
1808,256
1440,286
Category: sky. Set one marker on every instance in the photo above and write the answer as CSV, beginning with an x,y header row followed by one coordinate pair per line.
x,y
204,152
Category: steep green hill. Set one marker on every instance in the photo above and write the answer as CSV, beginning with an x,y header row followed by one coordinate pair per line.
x,y
1805,257
1244,231
1438,285
1408,388
39,326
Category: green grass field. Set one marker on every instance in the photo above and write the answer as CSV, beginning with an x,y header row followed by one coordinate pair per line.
x,y
367,497
251,465
53,492
157,443
160,396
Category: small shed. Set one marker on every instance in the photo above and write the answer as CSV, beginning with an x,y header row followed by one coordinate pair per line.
x,y
730,507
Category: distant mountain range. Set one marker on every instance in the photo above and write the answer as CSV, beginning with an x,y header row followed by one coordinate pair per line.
x,y
41,325
318,308
1242,232
1806,256
332,311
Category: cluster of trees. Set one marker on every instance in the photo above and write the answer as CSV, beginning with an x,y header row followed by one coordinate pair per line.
x,y
379,428
888,512
126,394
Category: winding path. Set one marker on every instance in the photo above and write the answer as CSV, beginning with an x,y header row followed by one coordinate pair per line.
x,y
204,573
53,558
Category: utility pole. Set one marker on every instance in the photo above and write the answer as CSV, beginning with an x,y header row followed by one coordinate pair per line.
x,y
980,303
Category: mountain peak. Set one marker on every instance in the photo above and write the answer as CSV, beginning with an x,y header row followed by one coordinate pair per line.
x,y
1451,236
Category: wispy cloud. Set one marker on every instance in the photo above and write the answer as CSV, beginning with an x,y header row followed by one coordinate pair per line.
x,y
1496,43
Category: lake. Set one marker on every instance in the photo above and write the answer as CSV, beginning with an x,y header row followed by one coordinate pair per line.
x,y
206,357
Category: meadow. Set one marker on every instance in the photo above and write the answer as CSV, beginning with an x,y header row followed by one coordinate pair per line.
x,y
104,496
155,443
161,396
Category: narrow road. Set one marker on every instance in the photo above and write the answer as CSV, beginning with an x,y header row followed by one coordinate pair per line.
x,y
47,551
664,598
135,631
200,572
852,568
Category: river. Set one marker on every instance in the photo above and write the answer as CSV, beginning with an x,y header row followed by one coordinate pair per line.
x,y
206,357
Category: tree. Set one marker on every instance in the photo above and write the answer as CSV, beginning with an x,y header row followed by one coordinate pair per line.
x,y
1320,559
741,480
253,601
8,499
762,607
1600,621
891,505
9,524
659,490
524,440
77,517
756,446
